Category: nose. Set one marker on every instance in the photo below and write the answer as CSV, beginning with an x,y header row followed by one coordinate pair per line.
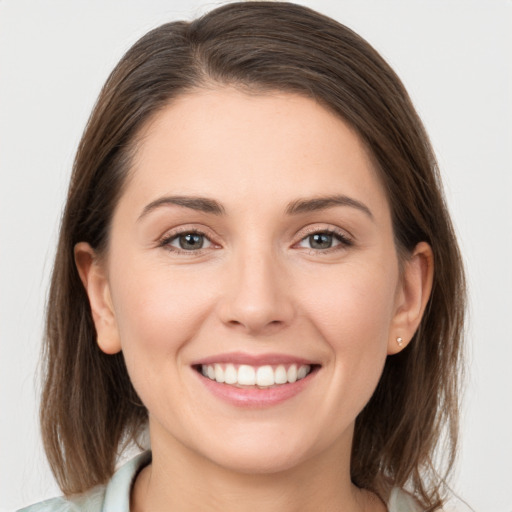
x,y
256,298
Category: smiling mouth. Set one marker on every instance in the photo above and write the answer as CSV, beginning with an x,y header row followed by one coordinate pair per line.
x,y
262,377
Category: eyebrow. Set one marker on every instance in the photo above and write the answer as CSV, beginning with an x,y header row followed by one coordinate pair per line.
x,y
206,205
201,204
324,202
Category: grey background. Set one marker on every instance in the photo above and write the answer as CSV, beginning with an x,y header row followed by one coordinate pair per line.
x,y
455,58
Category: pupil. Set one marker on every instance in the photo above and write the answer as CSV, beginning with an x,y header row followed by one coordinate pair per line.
x,y
191,241
320,241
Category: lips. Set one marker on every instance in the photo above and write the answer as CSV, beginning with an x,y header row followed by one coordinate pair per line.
x,y
255,381
238,358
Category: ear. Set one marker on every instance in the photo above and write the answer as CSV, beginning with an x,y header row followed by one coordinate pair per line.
x,y
94,278
412,297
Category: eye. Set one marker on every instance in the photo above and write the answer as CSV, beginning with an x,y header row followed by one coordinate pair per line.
x,y
323,240
187,241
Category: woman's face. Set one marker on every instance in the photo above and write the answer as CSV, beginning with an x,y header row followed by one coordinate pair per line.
x,y
253,241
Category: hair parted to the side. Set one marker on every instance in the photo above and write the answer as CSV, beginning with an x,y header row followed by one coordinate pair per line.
x,y
89,408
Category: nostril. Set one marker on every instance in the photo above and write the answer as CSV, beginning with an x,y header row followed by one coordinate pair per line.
x,y
257,327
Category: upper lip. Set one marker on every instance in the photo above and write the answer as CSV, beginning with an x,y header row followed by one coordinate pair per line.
x,y
253,359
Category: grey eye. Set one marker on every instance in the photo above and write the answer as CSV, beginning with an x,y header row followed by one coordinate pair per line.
x,y
320,240
323,240
190,241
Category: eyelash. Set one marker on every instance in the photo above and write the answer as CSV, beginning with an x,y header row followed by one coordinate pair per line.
x,y
165,242
342,238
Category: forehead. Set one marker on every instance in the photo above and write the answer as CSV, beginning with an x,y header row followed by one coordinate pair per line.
x,y
250,148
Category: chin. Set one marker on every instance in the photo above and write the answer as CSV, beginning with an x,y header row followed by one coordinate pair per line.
x,y
260,462
264,450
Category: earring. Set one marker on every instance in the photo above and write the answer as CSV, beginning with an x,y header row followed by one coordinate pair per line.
x,y
400,341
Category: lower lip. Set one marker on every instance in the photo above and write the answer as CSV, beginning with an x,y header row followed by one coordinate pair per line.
x,y
256,397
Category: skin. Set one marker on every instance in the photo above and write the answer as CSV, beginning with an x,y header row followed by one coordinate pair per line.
x,y
257,286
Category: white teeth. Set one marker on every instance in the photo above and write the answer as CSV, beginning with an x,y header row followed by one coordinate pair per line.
x,y
219,373
230,375
280,376
301,372
292,373
262,376
246,375
265,376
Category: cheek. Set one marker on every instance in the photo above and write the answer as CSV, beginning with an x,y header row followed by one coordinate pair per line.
x,y
354,316
356,304
157,310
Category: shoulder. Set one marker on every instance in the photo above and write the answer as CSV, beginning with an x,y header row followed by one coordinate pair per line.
x,y
401,501
91,501
103,498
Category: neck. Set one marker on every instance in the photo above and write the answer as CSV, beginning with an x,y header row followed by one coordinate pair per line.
x,y
181,480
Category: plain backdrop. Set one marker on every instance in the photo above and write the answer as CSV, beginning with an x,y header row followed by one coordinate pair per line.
x,y
455,58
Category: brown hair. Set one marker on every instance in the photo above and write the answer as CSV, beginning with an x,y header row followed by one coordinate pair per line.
x,y
89,408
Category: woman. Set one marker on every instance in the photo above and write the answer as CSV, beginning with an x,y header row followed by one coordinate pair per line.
x,y
256,264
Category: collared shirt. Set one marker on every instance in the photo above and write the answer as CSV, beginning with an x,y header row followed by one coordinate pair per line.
x,y
115,496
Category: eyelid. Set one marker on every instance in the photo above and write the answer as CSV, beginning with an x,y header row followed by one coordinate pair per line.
x,y
343,236
324,228
345,239
176,238
171,234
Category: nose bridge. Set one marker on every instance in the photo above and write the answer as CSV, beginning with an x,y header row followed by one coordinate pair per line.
x,y
256,296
